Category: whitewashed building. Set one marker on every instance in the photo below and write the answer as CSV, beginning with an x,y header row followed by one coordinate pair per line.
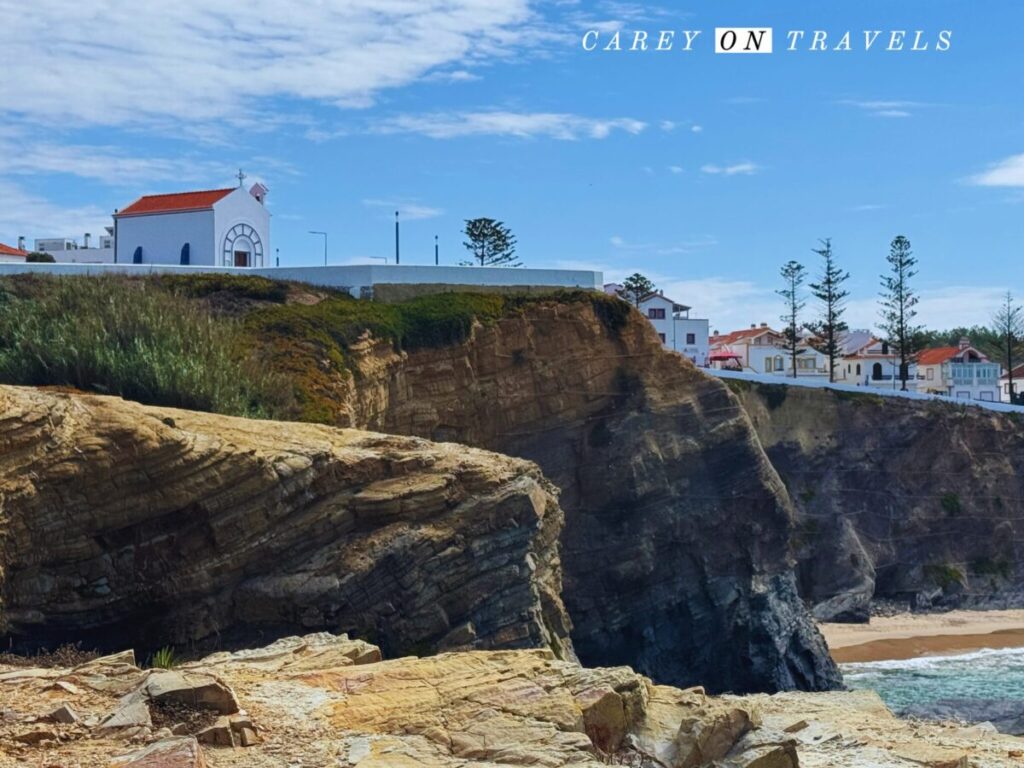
x,y
12,255
867,361
67,250
672,322
960,372
218,227
1018,385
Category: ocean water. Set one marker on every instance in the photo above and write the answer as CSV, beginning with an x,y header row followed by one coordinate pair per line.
x,y
982,686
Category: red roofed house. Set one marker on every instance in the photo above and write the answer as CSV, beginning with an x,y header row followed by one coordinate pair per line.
x,y
1018,385
216,227
9,254
961,372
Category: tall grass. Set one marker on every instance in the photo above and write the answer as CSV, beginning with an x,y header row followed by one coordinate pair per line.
x,y
131,338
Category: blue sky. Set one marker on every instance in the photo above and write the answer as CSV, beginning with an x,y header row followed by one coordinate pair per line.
x,y
705,172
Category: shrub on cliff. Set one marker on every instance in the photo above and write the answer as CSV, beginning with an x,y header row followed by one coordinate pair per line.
x,y
129,338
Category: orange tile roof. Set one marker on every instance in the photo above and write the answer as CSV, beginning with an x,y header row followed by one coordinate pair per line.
x,y
178,201
747,333
937,355
6,250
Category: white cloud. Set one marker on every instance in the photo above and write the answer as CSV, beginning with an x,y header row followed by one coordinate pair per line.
x,y
881,108
1005,173
554,125
676,169
124,61
667,125
743,169
664,249
939,308
24,213
410,211
696,128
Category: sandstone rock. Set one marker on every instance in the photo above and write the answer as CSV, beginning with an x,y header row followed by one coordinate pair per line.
x,y
62,714
36,735
667,492
838,450
772,756
194,689
166,753
252,526
132,712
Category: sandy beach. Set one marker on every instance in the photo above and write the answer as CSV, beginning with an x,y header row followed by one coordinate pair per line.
x,y
910,635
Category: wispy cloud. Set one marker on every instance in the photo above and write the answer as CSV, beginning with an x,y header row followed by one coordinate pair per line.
x,y
737,169
676,169
125,62
1005,173
689,245
24,213
408,210
881,108
555,125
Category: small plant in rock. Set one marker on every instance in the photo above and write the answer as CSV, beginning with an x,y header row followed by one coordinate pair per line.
x,y
165,658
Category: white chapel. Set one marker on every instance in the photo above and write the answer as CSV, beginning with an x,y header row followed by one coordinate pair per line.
x,y
217,227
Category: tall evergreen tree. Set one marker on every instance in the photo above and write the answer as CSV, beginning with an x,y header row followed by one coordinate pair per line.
x,y
830,292
1008,324
898,301
635,288
793,274
491,243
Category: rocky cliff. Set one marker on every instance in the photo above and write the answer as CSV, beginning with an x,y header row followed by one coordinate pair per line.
x,y
322,700
675,547
899,499
121,523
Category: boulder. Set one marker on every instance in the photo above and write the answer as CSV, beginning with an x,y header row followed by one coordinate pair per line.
x,y
194,689
176,752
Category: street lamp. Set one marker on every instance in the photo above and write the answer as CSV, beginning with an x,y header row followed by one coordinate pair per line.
x,y
316,232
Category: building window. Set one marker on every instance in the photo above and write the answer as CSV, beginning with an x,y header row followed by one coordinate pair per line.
x,y
656,313
930,375
885,348
662,337
876,372
691,338
858,369
780,364
186,254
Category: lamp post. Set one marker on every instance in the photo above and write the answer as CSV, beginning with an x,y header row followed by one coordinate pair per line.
x,y
324,234
397,259
436,258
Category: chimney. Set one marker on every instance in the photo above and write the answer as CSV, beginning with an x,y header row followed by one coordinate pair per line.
x,y
753,326
764,325
965,343
21,242
86,240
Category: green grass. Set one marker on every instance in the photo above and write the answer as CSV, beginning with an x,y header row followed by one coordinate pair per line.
x,y
165,658
131,338
228,344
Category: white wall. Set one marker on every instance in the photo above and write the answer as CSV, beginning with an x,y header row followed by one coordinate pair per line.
x,y
240,207
353,278
697,351
162,235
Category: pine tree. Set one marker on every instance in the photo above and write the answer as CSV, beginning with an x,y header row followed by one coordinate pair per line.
x,y
1008,324
491,243
898,301
793,273
830,292
635,288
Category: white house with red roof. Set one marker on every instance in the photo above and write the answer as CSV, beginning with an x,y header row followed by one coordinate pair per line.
x,y
215,227
1018,385
868,361
10,254
960,372
761,349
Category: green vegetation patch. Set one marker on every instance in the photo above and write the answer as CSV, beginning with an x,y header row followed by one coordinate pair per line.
x,y
989,566
131,338
231,344
950,502
944,576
